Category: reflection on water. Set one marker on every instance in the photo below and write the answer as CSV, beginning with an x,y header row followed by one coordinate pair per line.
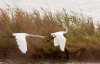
x,y
8,61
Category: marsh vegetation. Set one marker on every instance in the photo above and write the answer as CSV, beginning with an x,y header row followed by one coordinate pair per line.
x,y
83,39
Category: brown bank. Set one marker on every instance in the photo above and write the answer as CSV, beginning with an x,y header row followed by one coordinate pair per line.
x,y
83,40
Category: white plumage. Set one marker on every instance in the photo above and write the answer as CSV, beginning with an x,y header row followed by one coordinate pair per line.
x,y
21,40
59,39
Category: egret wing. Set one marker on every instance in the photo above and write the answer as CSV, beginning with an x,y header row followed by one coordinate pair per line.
x,y
59,40
62,42
21,41
56,42
22,45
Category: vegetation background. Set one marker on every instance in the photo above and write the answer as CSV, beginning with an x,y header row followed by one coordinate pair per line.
x,y
83,40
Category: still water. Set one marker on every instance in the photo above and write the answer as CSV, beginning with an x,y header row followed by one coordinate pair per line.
x,y
8,61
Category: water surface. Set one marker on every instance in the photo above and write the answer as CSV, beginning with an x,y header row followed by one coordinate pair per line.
x,y
8,61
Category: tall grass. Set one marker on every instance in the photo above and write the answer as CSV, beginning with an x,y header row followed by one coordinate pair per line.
x,y
81,31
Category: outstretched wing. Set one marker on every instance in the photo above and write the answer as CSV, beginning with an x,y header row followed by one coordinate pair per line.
x,y
62,42
56,42
22,45
21,42
59,40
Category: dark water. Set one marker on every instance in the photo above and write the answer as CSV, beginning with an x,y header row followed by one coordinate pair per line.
x,y
9,61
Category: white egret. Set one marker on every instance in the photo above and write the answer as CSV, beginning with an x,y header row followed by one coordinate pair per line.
x,y
59,39
21,40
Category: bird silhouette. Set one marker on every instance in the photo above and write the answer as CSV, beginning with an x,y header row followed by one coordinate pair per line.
x,y
59,39
21,40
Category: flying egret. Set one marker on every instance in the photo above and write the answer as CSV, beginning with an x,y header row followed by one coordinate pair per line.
x,y
21,40
59,39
